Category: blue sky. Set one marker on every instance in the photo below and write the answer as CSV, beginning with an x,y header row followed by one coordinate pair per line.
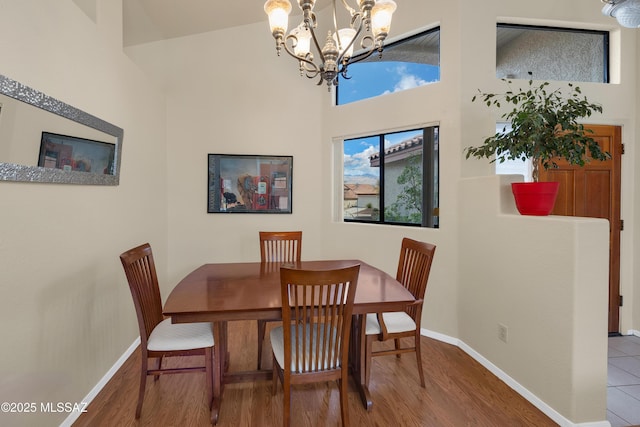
x,y
369,79
358,150
373,79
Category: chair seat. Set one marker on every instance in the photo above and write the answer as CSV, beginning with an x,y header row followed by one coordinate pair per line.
x,y
167,336
277,343
396,322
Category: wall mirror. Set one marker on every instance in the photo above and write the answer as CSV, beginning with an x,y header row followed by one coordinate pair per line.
x,y
45,140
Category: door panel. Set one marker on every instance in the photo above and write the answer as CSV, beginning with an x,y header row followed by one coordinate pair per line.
x,y
598,185
594,191
566,192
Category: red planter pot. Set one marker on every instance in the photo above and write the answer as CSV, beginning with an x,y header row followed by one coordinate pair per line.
x,y
535,198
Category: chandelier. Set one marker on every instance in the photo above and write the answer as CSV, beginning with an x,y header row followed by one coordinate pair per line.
x,y
368,28
627,12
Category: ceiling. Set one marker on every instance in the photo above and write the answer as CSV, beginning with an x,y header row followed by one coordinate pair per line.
x,y
147,21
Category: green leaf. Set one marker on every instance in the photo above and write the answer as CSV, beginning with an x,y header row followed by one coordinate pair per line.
x,y
544,126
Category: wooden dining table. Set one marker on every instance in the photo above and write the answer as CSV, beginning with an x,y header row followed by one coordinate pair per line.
x,y
219,293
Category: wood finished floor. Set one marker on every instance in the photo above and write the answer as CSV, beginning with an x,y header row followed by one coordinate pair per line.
x,y
459,392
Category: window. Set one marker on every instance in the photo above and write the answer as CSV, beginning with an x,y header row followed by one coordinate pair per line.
x,y
512,167
552,53
405,64
392,178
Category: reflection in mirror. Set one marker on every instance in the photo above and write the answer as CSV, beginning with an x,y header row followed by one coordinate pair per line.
x,y
71,153
75,147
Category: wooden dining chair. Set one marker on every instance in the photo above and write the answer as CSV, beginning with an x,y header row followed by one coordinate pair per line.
x,y
312,345
413,272
280,246
277,247
160,338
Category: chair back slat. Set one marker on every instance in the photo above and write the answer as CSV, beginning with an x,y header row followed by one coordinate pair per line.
x,y
318,306
140,270
280,246
414,267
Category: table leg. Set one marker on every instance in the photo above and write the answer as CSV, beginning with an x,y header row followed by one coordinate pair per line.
x,y
224,364
358,360
219,351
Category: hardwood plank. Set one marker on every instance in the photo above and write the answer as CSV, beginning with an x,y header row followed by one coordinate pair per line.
x,y
459,391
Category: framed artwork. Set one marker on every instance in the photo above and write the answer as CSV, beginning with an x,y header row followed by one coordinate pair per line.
x,y
240,183
70,153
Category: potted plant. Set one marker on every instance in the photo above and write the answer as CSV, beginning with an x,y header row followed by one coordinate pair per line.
x,y
544,128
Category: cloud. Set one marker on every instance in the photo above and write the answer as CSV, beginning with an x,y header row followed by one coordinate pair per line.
x,y
358,163
407,80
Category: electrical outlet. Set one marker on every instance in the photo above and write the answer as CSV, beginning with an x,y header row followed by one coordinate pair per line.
x,y
503,332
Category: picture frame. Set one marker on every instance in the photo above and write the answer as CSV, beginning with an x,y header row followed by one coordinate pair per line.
x,y
70,153
242,183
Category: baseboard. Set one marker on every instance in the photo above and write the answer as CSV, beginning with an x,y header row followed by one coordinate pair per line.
x,y
532,398
73,416
633,332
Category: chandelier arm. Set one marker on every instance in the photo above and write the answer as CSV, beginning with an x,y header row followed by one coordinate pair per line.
x,y
310,68
311,23
351,10
336,32
310,72
354,17
335,18
357,59
368,51
353,40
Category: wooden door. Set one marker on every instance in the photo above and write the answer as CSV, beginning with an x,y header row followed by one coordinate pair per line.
x,y
594,191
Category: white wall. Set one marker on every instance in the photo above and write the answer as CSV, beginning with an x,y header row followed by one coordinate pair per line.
x,y
619,100
65,307
546,280
225,103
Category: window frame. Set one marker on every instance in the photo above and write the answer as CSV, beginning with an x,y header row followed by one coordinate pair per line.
x,y
605,34
430,181
359,57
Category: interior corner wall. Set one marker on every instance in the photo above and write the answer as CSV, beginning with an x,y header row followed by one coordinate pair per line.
x,y
432,104
65,306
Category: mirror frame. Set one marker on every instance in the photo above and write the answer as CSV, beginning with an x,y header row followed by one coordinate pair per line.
x,y
23,173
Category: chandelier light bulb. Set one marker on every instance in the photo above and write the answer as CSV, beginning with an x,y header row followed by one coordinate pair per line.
x,y
381,17
343,39
278,12
303,44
